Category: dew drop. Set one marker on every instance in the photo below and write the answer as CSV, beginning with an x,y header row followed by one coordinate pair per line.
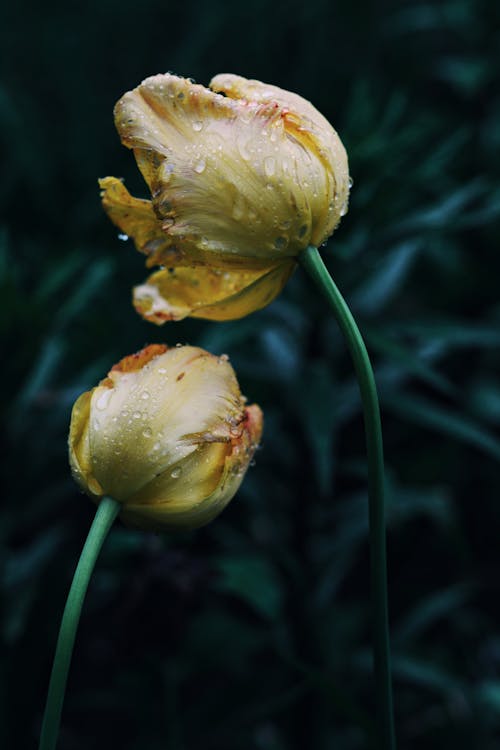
x,y
280,243
242,144
269,165
166,172
350,183
156,446
200,166
147,432
162,371
137,415
145,395
123,237
103,399
175,473
197,125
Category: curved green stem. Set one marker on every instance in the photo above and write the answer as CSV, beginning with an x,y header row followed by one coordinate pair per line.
x,y
106,513
311,260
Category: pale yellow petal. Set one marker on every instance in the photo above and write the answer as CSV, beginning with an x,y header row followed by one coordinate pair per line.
x,y
213,294
79,444
136,218
185,497
142,421
229,178
304,123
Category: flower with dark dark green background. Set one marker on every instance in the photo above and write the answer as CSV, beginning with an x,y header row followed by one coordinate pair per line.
x,y
254,632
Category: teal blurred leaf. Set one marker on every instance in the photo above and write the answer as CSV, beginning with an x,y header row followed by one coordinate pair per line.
x,y
254,580
387,279
440,605
444,421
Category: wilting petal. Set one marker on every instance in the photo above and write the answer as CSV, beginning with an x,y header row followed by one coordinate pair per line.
x,y
135,217
240,183
227,176
213,294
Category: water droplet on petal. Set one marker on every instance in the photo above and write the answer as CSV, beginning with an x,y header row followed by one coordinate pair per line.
x,y
199,167
103,399
137,415
175,473
197,125
123,237
145,395
269,165
166,172
242,144
351,182
280,243
147,432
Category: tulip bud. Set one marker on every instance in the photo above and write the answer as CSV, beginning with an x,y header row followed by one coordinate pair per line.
x,y
167,434
241,182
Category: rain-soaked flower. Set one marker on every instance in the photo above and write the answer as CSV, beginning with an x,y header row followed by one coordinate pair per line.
x,y
167,434
243,176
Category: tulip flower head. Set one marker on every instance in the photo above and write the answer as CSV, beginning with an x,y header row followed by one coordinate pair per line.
x,y
167,434
243,177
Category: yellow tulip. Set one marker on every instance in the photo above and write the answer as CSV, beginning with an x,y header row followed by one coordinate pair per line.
x,y
167,434
243,177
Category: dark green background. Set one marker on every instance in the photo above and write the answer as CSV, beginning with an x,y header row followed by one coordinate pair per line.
x,y
254,633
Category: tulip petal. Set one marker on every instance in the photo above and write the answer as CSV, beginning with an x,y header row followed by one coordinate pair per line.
x,y
185,388
304,123
213,294
136,218
232,179
186,497
79,444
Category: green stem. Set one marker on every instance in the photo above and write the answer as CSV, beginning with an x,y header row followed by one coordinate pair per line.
x,y
106,513
311,260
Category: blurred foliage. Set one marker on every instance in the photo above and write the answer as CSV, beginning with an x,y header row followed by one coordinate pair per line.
x,y
254,633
